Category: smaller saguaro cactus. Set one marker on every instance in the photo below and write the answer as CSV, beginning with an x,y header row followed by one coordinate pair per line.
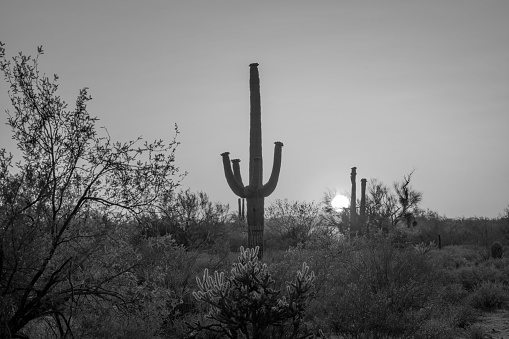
x,y
496,250
353,203
357,221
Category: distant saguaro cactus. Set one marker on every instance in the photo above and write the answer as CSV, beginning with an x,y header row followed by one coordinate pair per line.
x,y
353,203
256,192
357,220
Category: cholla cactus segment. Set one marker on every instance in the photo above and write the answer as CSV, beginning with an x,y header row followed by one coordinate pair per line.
x,y
248,254
211,288
299,289
424,248
305,274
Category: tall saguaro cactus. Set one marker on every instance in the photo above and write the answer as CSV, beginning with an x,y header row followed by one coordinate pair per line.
x,y
256,192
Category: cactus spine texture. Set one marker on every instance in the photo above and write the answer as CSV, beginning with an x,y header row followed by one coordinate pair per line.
x,y
256,192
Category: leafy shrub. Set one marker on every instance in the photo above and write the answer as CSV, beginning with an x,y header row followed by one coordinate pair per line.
x,y
462,315
453,293
490,296
246,302
471,277
496,250
435,329
380,289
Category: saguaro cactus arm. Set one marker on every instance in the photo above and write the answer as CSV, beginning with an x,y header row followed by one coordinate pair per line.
x,y
270,186
235,186
236,171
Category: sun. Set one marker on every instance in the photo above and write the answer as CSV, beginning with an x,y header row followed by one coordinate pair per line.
x,y
339,202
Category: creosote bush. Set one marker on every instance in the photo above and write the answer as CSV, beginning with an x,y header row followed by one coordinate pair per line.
x,y
246,303
377,288
490,296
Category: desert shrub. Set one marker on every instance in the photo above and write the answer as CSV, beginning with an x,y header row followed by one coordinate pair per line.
x,y
490,296
461,315
283,264
459,256
291,222
380,289
475,332
496,250
453,293
435,329
400,238
473,276
448,258
246,302
501,264
473,254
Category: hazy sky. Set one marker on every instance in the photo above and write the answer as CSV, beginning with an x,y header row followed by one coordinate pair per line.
x,y
387,86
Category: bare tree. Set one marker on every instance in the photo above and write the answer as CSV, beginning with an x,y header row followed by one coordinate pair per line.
x,y
293,220
408,199
191,218
385,208
68,172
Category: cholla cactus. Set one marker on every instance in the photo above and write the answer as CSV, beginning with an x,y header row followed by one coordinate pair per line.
x,y
424,248
247,304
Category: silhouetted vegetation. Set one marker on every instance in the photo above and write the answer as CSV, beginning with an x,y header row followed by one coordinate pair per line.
x,y
96,241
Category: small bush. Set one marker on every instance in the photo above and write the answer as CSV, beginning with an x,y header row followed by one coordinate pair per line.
x,y
472,277
489,296
453,293
435,329
462,315
496,250
456,256
380,289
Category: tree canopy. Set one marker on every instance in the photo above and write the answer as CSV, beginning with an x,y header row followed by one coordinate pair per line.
x,y
57,202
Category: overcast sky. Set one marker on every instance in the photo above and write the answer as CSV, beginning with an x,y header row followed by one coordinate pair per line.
x,y
386,86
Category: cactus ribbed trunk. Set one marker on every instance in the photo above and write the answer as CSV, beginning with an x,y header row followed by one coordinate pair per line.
x,y
362,213
353,203
255,222
256,191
